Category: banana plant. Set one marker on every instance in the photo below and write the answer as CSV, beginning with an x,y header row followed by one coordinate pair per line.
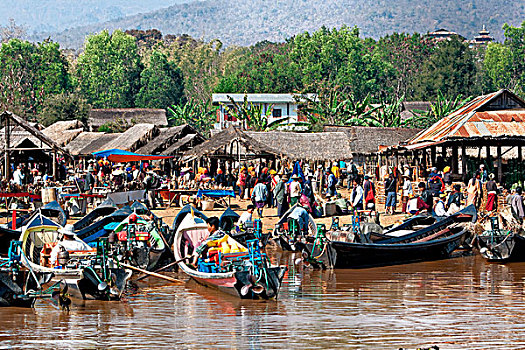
x,y
252,115
195,113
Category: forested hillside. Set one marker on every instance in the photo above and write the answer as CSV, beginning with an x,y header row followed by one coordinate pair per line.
x,y
247,22
58,15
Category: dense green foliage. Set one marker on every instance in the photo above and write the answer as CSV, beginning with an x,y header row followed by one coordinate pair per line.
x,y
108,71
358,81
30,73
64,106
195,113
161,83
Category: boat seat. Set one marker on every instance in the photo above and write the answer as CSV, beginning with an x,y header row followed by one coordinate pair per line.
x,y
399,233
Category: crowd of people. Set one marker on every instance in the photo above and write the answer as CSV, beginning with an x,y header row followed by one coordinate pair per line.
x,y
265,185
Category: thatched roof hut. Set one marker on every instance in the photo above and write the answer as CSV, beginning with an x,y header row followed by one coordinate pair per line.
x,y
168,137
229,143
131,116
21,130
319,146
184,144
367,140
293,145
134,138
62,132
89,142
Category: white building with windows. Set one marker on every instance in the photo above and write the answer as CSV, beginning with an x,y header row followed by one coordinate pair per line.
x,y
282,106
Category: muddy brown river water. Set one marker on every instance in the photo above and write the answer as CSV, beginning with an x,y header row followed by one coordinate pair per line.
x,y
462,303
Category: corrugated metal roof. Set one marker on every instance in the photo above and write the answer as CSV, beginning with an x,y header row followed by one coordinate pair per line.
x,y
468,122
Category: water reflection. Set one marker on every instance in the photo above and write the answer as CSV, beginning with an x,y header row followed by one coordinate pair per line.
x,y
457,303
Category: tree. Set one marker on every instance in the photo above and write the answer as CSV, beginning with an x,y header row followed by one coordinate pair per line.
x,y
108,71
30,73
193,112
200,64
497,67
334,106
386,114
515,41
161,83
405,53
450,70
339,56
266,68
64,106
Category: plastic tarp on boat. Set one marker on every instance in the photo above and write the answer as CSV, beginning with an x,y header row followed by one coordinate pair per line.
x,y
215,193
121,156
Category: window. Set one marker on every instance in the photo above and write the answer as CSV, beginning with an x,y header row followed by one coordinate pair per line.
x,y
277,113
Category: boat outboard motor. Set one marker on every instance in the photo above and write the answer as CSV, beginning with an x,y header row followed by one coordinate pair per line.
x,y
63,257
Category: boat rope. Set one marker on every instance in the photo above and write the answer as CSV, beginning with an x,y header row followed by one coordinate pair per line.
x,y
507,237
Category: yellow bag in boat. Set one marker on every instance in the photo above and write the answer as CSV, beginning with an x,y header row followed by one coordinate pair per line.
x,y
234,248
223,239
225,248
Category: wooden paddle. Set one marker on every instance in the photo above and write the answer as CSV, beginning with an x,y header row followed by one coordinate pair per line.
x,y
154,274
158,270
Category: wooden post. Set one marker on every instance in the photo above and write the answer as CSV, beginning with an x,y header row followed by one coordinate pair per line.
x,y
455,160
520,155
7,134
424,159
55,173
433,156
464,162
500,170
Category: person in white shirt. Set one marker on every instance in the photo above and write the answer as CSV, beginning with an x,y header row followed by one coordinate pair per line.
x,y
439,206
407,192
357,195
295,190
69,243
18,177
246,217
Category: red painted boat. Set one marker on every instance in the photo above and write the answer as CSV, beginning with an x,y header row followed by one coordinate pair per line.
x,y
250,277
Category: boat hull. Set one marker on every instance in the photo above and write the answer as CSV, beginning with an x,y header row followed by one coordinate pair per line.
x,y
233,284
358,255
11,290
502,248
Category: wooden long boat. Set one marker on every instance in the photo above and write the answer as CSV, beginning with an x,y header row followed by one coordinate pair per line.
x,y
54,211
97,229
88,274
281,234
263,282
434,242
140,242
104,209
501,246
18,287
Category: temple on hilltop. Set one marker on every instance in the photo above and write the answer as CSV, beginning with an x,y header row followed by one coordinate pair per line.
x,y
443,34
482,39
